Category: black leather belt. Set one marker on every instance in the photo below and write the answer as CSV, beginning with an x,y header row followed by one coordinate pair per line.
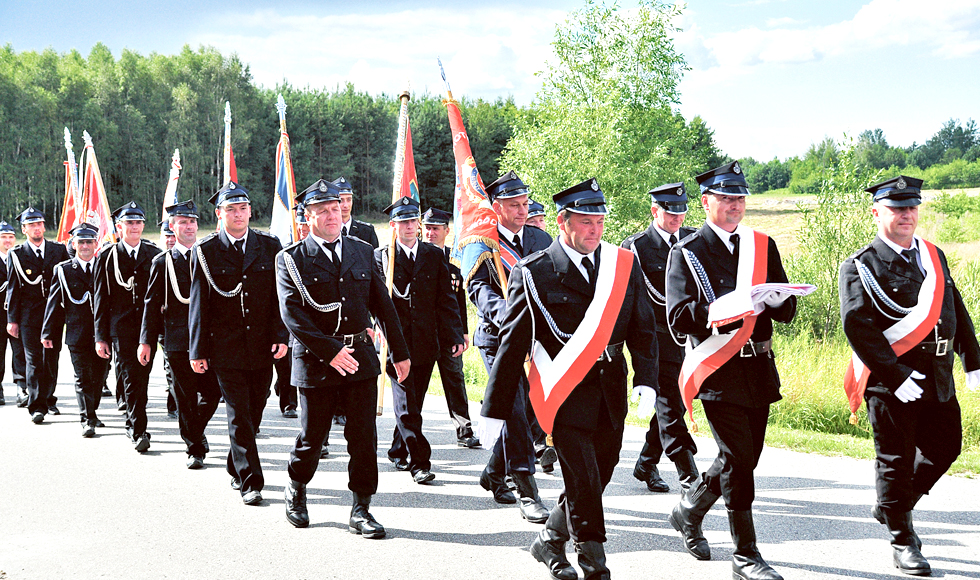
x,y
352,339
755,348
610,351
939,348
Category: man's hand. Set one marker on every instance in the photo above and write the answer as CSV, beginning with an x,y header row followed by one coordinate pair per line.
x,y
344,362
13,329
973,380
909,390
279,351
102,349
466,342
488,430
199,365
647,398
458,350
402,369
143,353
47,343
775,299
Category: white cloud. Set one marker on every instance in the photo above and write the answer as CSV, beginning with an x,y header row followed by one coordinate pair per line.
x,y
946,28
784,21
486,52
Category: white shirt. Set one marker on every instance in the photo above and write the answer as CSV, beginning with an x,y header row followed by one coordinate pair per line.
x,y
665,235
34,249
410,252
577,258
130,249
898,249
90,265
183,249
501,230
234,239
3,256
320,241
724,236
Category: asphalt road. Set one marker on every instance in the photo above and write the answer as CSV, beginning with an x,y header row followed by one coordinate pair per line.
x,y
94,508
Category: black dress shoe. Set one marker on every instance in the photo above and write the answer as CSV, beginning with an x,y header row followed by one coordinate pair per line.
x,y
22,400
37,417
548,459
401,464
290,413
324,452
362,522
340,420
469,442
236,483
88,431
172,414
252,497
143,443
99,423
423,476
54,410
655,483
106,392
495,483
194,462
296,512
121,406
204,441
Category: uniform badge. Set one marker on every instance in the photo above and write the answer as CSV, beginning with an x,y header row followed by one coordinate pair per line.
x,y
231,185
132,204
736,168
323,187
190,205
680,191
595,185
28,272
901,184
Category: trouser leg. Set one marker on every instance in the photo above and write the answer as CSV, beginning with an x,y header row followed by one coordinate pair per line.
x,y
135,378
287,393
88,385
454,385
315,420
740,433
34,370
245,396
408,397
360,400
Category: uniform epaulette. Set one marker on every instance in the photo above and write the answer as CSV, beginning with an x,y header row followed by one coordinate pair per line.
x,y
17,247
362,223
632,239
207,238
531,258
293,245
265,233
360,241
146,241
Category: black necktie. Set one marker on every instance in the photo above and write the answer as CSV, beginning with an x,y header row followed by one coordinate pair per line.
x,y
331,249
240,246
39,256
88,269
590,268
734,240
517,244
673,240
344,230
410,260
133,255
911,255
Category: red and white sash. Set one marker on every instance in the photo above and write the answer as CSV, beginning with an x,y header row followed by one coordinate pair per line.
x,y
553,380
717,349
910,330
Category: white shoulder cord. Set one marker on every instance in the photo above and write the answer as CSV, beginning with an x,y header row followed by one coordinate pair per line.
x,y
15,261
172,277
87,297
305,294
128,284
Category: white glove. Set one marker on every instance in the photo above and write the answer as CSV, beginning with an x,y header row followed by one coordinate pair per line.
x,y
647,398
488,430
775,299
909,391
973,380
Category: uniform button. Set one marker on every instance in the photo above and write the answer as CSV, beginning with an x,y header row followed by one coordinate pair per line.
x,y
314,278
564,298
245,294
246,311
894,289
248,328
343,299
345,319
341,279
244,277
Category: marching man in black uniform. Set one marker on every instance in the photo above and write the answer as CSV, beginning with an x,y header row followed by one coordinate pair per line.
x,y
329,288
422,294
70,306
667,428
731,368
287,393
573,306
513,453
904,318
29,274
436,224
8,237
352,227
165,313
121,275
235,328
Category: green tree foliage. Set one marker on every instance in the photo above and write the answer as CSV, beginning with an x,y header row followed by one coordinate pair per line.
x,y
836,227
139,108
604,110
763,177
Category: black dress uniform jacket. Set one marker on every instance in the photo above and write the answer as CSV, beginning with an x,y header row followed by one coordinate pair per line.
x,y
653,251
485,292
746,381
163,310
430,317
119,312
364,232
567,295
235,333
360,290
61,315
864,324
26,302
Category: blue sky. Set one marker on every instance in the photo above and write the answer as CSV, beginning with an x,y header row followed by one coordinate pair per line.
x,y
769,76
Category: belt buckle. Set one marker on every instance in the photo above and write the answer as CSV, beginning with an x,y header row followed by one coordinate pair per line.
x,y
747,353
349,340
942,347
